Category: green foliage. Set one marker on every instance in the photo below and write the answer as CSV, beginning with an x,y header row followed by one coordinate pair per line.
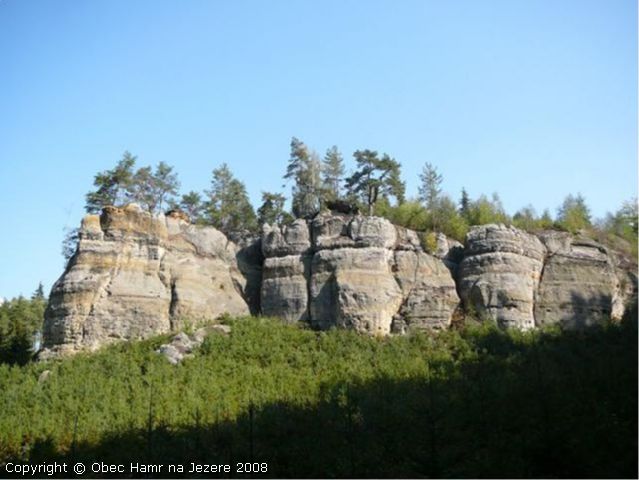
x,y
332,173
228,207
464,205
304,168
374,178
446,219
151,189
410,214
428,241
20,322
526,218
70,243
477,402
121,185
483,211
430,187
573,214
191,203
623,222
112,185
272,210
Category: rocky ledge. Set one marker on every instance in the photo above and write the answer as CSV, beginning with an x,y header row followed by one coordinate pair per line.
x,y
135,275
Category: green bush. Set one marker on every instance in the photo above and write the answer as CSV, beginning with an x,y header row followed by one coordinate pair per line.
x,y
477,402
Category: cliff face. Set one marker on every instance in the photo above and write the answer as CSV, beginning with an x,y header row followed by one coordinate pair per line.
x,y
354,272
134,276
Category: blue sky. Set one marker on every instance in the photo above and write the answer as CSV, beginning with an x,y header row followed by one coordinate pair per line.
x,y
531,99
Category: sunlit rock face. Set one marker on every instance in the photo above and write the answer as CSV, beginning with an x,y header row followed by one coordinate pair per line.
x,y
526,281
499,274
356,272
135,275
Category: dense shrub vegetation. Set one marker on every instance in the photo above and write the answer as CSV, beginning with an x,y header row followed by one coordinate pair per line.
x,y
476,402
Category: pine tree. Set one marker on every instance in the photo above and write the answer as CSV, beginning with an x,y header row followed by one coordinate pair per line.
x,y
526,218
375,177
39,293
272,209
112,185
304,168
574,214
191,204
430,187
464,204
228,207
70,243
332,173
151,189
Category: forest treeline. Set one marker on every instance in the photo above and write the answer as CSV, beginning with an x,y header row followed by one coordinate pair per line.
x,y
471,403
374,185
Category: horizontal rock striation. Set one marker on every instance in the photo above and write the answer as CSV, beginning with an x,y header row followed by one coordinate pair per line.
x,y
500,273
354,272
526,281
135,275
579,285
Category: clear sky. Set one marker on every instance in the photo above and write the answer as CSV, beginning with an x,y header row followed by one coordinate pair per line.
x,y
532,99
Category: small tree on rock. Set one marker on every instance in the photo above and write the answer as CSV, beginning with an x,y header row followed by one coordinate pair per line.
x,y
332,173
113,186
228,207
304,168
375,177
573,214
272,210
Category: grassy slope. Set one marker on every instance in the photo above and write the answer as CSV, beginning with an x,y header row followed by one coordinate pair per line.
x,y
459,404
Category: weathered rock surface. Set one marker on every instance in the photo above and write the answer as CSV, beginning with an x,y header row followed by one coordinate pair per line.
x,y
135,275
429,292
526,281
357,272
499,274
579,284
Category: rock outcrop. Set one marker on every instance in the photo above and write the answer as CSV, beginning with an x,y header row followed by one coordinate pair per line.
x,y
579,284
526,281
500,273
135,275
354,272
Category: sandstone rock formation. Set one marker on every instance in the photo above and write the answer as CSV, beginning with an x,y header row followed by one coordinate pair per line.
x,y
135,275
354,272
500,273
527,281
579,284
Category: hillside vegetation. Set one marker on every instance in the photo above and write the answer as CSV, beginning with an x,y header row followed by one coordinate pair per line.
x,y
476,402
